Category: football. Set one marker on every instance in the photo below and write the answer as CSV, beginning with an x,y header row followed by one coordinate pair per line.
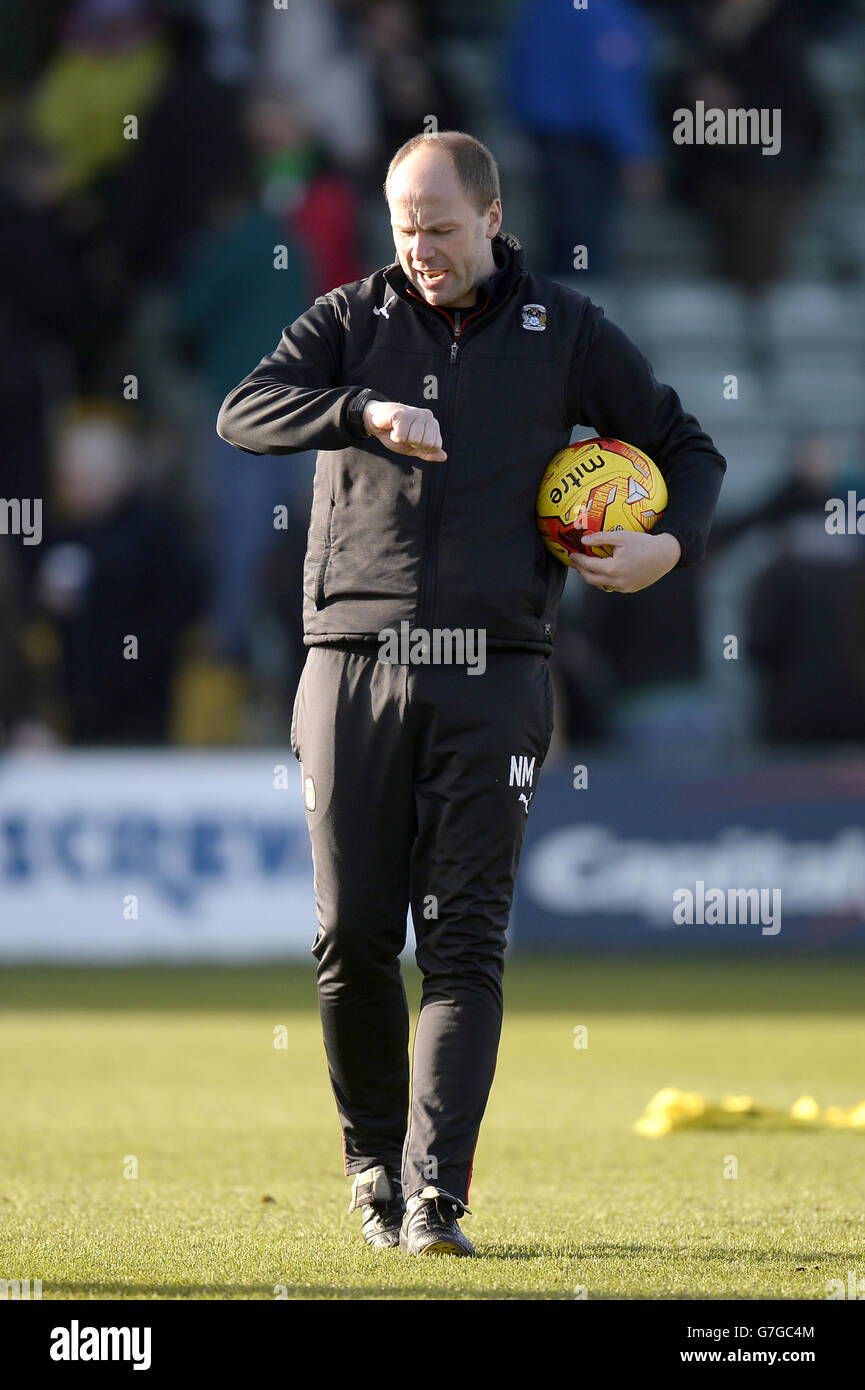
x,y
597,485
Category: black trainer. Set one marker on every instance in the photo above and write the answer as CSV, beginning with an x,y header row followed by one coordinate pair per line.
x,y
380,1197
430,1225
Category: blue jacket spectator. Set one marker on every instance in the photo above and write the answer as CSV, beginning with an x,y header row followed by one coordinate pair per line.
x,y
579,84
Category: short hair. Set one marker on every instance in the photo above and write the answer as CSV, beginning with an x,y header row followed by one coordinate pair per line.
x,y
476,169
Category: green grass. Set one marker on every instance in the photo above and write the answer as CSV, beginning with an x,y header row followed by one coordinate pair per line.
x,y
179,1070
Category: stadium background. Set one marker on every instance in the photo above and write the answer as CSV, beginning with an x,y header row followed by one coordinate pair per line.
x,y
150,810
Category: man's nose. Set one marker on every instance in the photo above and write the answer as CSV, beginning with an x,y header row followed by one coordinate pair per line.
x,y
422,250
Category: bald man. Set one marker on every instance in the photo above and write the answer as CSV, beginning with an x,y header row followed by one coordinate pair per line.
x,y
436,391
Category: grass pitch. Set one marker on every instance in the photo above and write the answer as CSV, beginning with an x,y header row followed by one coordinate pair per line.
x,y
240,1193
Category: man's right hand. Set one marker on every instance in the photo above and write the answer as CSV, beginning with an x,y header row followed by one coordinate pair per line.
x,y
406,429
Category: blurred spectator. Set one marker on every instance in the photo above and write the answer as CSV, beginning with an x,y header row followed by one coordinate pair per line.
x,y
817,472
28,37
232,303
282,585
56,291
634,638
191,141
22,410
109,63
806,608
806,633
16,684
115,564
308,49
309,195
748,54
585,686
578,83
397,37
229,38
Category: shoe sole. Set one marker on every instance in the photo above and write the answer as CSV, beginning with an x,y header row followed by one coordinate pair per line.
x,y
439,1247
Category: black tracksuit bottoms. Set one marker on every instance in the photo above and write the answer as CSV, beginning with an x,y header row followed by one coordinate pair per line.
x,y
417,783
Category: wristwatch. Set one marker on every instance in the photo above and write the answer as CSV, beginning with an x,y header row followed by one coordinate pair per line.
x,y
354,413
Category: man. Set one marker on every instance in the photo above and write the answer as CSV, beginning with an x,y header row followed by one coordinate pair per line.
x,y
418,776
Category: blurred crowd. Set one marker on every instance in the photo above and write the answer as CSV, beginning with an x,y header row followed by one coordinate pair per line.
x,y
180,178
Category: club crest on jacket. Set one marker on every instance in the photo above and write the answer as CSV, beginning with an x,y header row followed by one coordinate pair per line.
x,y
535,317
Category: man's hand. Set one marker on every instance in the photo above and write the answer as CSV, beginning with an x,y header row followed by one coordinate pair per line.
x,y
638,560
407,429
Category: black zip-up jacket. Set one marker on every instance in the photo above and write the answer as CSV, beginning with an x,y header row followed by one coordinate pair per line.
x,y
394,538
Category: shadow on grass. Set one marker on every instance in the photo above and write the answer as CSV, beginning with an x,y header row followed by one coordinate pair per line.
x,y
211,1292
67,1289
63,1291
535,984
710,1252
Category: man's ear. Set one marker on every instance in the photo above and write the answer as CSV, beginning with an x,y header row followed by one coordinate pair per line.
x,y
494,219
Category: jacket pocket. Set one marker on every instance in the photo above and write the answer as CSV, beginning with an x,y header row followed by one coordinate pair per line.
x,y
320,593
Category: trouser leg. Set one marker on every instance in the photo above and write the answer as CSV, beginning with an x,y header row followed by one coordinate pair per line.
x,y
348,734
481,743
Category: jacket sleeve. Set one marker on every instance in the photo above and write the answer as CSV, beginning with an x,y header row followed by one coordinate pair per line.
x,y
613,389
293,400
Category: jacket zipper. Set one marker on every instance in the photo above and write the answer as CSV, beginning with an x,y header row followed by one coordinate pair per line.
x,y
457,331
429,571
